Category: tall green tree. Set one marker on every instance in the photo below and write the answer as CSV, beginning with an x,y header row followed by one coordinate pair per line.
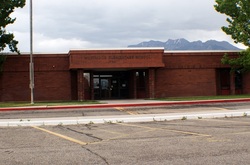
x,y
7,38
238,12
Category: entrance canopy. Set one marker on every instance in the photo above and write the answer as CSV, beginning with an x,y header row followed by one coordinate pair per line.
x,y
117,58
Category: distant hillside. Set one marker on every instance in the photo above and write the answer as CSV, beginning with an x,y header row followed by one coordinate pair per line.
x,y
183,44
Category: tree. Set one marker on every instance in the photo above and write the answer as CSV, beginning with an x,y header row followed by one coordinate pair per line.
x,y
239,29
6,38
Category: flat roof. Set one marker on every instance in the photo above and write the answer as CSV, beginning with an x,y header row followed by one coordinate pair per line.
x,y
133,48
200,51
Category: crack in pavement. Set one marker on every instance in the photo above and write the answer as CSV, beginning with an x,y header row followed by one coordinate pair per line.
x,y
87,134
96,155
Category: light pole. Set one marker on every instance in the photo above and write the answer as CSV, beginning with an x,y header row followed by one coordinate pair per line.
x,y
31,56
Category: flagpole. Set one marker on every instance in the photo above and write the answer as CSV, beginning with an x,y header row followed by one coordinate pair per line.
x,y
31,56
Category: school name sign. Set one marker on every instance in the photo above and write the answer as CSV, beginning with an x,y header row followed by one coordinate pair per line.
x,y
116,59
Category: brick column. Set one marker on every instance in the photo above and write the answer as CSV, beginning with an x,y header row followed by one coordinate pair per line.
x,y
92,86
80,85
232,83
151,83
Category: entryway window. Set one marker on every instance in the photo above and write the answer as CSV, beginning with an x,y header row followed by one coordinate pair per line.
x,y
238,82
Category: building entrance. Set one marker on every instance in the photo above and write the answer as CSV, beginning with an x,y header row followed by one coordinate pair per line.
x,y
111,85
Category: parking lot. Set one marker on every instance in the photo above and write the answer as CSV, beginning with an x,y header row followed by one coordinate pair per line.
x,y
203,141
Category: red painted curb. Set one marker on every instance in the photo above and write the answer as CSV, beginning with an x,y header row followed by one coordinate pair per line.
x,y
122,105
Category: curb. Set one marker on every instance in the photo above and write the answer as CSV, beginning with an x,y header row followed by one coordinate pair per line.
x,y
121,119
124,105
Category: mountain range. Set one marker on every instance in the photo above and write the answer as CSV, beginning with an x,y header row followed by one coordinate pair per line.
x,y
183,44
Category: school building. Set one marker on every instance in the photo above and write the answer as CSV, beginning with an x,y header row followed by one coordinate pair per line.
x,y
129,73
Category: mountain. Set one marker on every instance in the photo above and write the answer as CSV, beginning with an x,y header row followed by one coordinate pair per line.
x,y
183,44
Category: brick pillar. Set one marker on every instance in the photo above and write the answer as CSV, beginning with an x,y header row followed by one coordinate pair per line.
x,y
80,85
151,83
92,86
232,83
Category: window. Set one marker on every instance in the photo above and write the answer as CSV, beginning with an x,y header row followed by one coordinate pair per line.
x,y
238,79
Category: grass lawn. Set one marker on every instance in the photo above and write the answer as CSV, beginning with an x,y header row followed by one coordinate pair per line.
x,y
56,103
203,98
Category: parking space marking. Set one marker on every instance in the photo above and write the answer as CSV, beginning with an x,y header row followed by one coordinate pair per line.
x,y
60,135
215,139
189,133
138,126
226,121
237,133
170,130
126,111
113,132
231,121
223,109
120,135
113,138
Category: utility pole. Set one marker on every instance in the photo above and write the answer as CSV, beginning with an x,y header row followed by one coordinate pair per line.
x,y
31,56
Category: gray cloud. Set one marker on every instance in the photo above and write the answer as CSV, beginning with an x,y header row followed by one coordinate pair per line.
x,y
60,25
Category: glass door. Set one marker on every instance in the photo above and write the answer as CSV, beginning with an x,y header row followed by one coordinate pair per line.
x,y
105,88
111,85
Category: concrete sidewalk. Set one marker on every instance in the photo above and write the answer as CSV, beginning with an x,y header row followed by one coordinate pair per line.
x,y
124,118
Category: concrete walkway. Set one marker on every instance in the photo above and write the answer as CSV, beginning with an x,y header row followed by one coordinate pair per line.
x,y
124,118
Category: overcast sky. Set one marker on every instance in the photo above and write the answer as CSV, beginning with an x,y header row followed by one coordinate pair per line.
x,y
61,25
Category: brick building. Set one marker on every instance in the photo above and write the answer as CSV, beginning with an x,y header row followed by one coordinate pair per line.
x,y
128,73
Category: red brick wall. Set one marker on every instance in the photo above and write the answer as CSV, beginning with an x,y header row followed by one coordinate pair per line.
x,y
15,86
185,82
52,78
188,74
194,60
